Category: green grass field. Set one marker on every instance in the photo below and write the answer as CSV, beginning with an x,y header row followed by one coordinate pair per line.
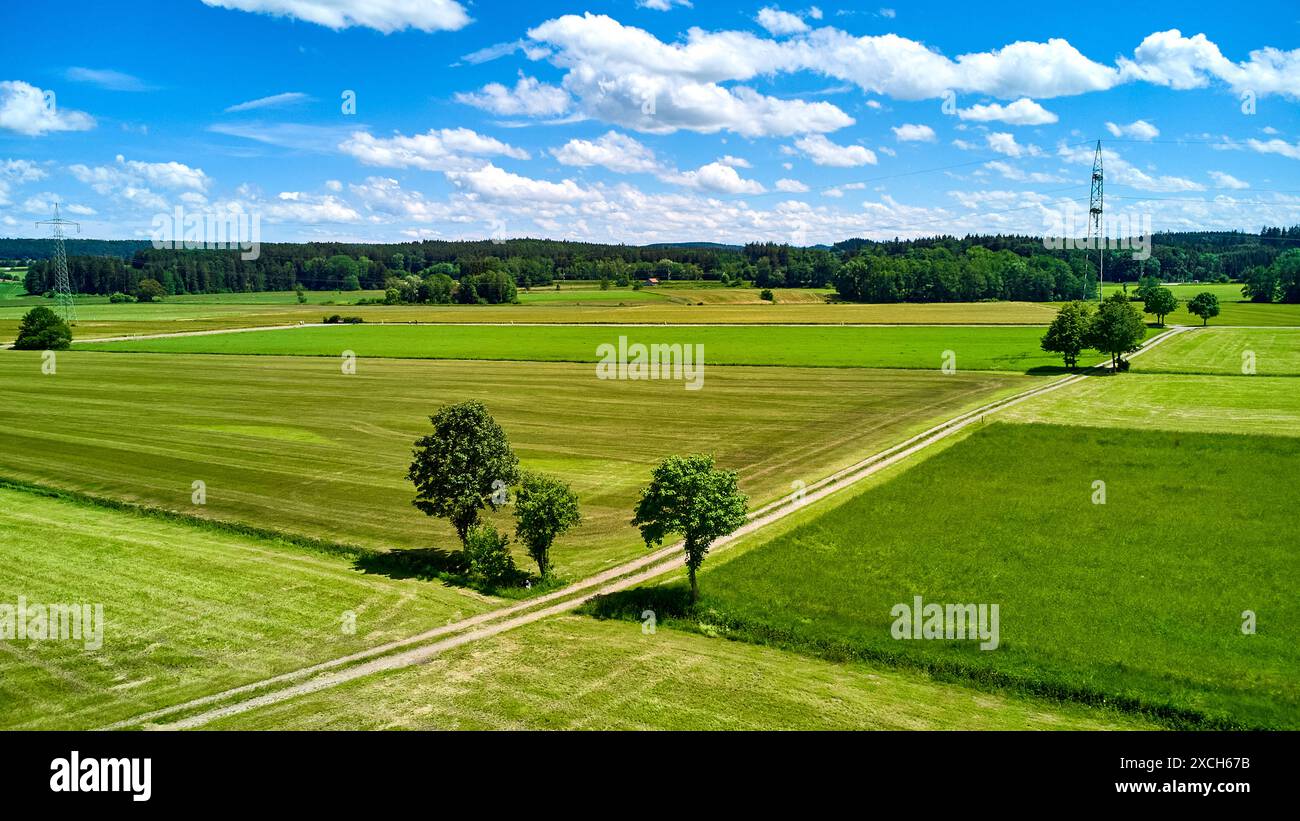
x,y
1010,349
1226,351
1137,602
295,445
187,610
574,673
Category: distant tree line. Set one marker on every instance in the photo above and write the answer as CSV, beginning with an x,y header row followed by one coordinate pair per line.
x,y
937,274
923,270
1279,280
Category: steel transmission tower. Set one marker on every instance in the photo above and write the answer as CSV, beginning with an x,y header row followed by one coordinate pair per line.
x,y
1095,220
62,285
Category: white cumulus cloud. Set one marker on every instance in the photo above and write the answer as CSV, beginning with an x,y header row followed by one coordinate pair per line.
x,y
781,22
529,98
824,152
913,133
1021,112
1136,130
447,149
33,111
718,178
614,151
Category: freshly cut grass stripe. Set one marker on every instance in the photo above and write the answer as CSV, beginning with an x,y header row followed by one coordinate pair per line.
x,y
1137,602
187,610
579,674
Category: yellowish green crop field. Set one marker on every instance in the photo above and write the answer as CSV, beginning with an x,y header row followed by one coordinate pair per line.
x,y
293,444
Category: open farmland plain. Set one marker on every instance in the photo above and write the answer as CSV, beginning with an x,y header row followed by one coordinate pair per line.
x,y
207,312
1096,601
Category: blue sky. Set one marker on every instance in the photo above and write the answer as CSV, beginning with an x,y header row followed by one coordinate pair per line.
x,y
647,120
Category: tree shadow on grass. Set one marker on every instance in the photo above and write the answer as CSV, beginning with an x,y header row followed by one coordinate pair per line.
x,y
425,563
1052,370
665,601
452,568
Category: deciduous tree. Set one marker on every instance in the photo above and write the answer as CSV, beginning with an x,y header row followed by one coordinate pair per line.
x,y
1205,305
1161,302
544,509
462,467
688,495
1116,329
488,552
1068,333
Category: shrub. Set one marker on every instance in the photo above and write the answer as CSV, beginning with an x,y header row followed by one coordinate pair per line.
x,y
489,556
42,330
118,297
149,289
766,295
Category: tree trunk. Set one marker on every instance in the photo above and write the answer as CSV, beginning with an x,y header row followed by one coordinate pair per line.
x,y
695,588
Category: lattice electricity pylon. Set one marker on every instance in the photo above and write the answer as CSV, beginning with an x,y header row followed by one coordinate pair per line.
x,y
62,284
1095,218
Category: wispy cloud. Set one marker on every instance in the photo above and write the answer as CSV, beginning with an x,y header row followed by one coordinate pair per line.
x,y
313,138
273,101
107,78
